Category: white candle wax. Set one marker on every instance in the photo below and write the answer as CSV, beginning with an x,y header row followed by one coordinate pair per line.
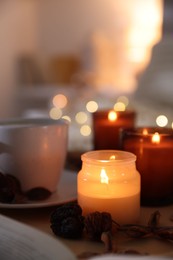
x,y
118,194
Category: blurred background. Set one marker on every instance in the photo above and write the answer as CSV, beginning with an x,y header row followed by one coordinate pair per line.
x,y
70,58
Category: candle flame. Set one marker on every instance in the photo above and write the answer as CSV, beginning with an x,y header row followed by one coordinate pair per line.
x,y
156,138
145,132
103,177
112,157
112,116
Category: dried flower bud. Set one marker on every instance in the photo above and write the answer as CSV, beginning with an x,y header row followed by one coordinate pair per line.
x,y
154,219
165,233
96,223
137,231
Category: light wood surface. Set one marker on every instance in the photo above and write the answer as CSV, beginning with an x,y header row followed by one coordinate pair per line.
x,y
40,219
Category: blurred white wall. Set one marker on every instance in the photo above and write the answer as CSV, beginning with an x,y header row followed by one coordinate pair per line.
x,y
51,27
65,25
112,39
18,34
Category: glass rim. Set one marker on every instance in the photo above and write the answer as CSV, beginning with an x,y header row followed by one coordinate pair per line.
x,y
108,157
32,122
137,131
104,112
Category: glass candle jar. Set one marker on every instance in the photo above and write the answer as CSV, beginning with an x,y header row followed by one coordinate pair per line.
x,y
106,126
154,150
109,182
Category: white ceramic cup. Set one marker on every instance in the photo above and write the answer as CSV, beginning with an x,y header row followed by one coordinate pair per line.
x,y
34,151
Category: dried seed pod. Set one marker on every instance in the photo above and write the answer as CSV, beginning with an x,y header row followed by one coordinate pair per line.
x,y
165,233
154,219
7,194
132,252
96,223
13,183
66,210
38,193
67,221
137,231
3,180
70,227
107,240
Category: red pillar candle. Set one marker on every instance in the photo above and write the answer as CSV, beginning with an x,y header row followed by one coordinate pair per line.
x,y
106,126
154,150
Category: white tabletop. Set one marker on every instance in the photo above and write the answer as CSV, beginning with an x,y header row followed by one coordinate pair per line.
x,y
40,219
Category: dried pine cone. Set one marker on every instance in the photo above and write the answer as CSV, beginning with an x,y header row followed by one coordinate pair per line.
x,y
13,183
70,227
66,210
67,221
7,194
38,193
96,223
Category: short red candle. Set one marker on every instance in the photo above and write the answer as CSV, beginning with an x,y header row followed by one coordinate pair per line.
x,y
154,150
106,131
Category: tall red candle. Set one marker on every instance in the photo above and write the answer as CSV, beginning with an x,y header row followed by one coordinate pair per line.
x,y
106,127
154,150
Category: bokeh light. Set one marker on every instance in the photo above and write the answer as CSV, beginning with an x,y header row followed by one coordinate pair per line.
x,y
55,113
92,106
81,117
67,118
59,101
119,106
124,100
85,130
161,121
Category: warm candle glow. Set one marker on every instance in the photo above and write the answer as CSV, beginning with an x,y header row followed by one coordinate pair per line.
x,y
107,125
112,186
112,157
103,177
156,138
112,116
145,132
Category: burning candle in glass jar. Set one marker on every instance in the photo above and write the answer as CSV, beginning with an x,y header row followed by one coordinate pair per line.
x,y
106,127
154,150
109,182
